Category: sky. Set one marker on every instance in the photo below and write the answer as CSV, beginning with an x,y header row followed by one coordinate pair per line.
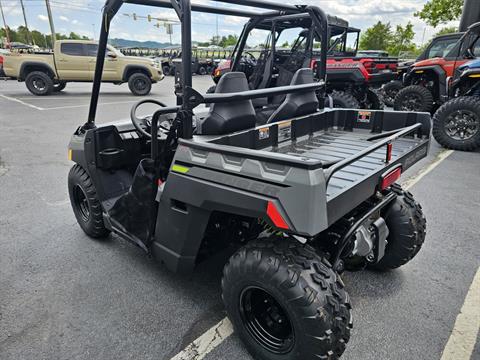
x,y
84,17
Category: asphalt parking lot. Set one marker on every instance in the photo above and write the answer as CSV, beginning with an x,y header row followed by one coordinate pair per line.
x,y
65,296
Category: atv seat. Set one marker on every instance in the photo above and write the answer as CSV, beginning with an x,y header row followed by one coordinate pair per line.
x,y
225,118
295,104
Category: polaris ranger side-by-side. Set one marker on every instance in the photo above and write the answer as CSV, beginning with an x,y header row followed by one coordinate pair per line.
x,y
427,81
300,199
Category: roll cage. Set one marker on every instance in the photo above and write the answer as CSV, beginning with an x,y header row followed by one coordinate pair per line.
x,y
189,98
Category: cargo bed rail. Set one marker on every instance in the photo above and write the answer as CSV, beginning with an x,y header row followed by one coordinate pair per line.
x,y
392,135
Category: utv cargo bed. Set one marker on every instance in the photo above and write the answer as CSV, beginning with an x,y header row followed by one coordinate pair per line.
x,y
347,152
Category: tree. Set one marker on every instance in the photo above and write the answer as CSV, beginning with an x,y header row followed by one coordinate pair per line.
x,y
446,30
377,37
402,40
436,12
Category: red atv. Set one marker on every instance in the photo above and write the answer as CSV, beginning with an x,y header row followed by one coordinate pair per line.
x,y
427,81
353,77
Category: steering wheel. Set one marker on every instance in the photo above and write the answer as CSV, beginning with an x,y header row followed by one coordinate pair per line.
x,y
250,59
144,124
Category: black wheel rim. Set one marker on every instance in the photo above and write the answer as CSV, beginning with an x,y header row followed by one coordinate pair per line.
x,y
81,203
266,321
390,95
140,84
39,84
462,125
412,102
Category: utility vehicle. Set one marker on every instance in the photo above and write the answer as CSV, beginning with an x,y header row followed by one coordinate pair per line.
x,y
456,124
74,61
355,77
438,47
351,80
299,199
427,81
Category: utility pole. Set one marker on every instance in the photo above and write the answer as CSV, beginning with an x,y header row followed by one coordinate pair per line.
x,y
29,36
5,23
50,20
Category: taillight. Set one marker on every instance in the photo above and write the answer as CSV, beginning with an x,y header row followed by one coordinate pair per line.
x,y
275,216
390,177
224,64
369,65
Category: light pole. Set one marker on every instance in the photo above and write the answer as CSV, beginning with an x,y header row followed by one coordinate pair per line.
x,y
50,20
29,37
5,23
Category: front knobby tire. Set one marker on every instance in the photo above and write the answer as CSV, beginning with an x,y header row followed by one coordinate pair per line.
x,y
85,203
344,100
407,228
456,124
414,98
286,302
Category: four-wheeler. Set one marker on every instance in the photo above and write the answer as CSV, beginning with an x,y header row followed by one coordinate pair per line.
x,y
74,61
438,47
299,199
427,81
456,124
353,78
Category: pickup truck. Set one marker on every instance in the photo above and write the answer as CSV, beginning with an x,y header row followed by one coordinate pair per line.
x,y
74,61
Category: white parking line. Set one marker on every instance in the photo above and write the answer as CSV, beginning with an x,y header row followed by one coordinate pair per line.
x,y
21,102
199,348
462,341
214,336
63,107
415,179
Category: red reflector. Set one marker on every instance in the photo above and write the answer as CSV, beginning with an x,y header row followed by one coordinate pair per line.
x,y
389,152
275,216
390,178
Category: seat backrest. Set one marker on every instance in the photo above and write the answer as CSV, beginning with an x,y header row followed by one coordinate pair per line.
x,y
297,104
224,118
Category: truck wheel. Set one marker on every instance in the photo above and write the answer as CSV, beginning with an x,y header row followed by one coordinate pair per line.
x,y
139,84
202,71
414,98
166,70
390,91
406,225
39,83
344,100
286,302
59,86
85,203
456,124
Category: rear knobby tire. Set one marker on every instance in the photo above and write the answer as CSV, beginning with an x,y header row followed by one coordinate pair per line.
x,y
451,114
344,100
407,228
414,98
308,292
39,83
85,203
373,101
390,91
139,84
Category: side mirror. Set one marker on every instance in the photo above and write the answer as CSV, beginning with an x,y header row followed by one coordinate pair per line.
x,y
111,55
